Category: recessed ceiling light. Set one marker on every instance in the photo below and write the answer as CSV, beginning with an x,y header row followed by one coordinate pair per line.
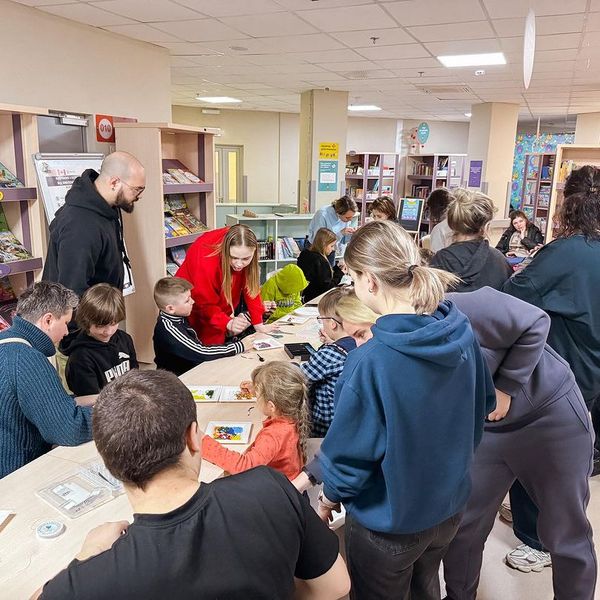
x,y
363,107
473,60
218,99
467,114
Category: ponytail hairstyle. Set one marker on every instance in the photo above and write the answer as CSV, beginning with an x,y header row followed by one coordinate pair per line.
x,y
239,235
469,213
580,209
323,238
387,252
283,383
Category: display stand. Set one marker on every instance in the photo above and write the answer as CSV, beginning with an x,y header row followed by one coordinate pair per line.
x,y
537,188
156,145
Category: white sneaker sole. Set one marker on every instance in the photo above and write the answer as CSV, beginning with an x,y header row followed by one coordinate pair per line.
x,y
528,568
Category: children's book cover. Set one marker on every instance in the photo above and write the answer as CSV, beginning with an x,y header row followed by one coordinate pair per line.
x,y
229,432
7,179
205,393
11,248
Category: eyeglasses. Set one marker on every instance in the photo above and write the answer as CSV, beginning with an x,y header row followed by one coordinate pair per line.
x,y
321,319
136,189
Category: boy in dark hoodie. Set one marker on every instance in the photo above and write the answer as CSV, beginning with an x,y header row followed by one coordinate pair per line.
x,y
100,352
470,256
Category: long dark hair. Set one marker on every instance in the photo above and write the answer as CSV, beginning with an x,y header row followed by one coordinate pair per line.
x,y
579,212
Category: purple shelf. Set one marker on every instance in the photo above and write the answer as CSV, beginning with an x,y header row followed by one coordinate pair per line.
x,y
182,240
187,188
18,194
20,266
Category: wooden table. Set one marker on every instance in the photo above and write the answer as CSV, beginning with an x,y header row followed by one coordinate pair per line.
x,y
27,562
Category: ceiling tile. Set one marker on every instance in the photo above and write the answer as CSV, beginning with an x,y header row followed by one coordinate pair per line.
x,y
303,5
188,49
356,18
45,2
232,7
418,64
84,13
301,43
148,12
332,56
463,47
276,59
143,32
557,42
269,25
430,12
593,22
543,25
200,30
519,8
359,65
452,31
394,52
362,39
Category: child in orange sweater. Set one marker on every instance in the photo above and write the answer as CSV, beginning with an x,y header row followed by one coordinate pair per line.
x,y
281,393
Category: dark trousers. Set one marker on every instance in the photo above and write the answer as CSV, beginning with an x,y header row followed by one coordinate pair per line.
x,y
400,566
552,458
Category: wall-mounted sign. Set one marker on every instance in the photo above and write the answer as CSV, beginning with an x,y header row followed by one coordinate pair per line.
x,y
329,151
105,129
423,132
328,172
475,168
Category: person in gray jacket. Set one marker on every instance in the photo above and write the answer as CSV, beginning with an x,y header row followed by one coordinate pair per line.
x,y
540,434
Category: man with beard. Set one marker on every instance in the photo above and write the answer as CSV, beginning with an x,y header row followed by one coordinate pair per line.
x,y
86,236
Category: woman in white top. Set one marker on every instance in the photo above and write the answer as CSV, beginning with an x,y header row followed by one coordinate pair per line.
x,y
441,234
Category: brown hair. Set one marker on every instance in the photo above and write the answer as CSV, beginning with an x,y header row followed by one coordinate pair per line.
x,y
344,204
515,214
239,235
437,202
167,289
282,383
470,212
140,423
328,303
384,205
579,212
386,251
322,239
100,305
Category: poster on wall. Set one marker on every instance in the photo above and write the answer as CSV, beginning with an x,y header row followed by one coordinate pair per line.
x,y
56,174
328,172
329,150
475,168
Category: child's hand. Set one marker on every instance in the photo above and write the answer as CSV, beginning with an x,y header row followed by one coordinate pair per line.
x,y
248,342
237,325
248,388
323,337
269,305
502,406
265,328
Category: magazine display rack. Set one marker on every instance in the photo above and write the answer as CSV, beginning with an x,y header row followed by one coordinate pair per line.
x,y
174,156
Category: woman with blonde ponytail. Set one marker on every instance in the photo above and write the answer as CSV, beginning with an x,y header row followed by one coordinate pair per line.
x,y
410,408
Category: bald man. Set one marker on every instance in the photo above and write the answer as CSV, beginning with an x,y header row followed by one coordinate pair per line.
x,y
86,235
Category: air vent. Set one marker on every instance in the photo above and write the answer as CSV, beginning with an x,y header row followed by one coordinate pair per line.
x,y
356,75
446,92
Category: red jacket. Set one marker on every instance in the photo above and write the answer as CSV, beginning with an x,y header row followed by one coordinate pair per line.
x,y
275,446
211,313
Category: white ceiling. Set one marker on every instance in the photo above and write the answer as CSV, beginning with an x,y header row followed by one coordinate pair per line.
x,y
266,52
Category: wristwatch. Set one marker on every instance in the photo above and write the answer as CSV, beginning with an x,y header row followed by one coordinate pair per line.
x,y
326,502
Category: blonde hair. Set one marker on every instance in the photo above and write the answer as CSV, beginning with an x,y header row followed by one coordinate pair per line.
x,y
322,239
329,302
351,309
469,212
239,235
100,305
168,289
387,252
282,383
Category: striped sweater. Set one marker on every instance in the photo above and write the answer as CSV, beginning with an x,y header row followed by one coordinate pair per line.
x,y
35,411
177,348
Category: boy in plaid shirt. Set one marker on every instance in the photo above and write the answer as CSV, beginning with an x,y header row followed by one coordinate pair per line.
x,y
325,365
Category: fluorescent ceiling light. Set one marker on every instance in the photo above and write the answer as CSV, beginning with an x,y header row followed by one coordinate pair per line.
x,y
363,107
473,60
218,99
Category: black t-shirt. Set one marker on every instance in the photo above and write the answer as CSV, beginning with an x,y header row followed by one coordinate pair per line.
x,y
244,536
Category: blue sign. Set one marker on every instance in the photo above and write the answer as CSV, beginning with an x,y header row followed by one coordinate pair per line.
x,y
422,132
328,172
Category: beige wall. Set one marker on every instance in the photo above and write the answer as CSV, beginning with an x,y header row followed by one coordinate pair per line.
x,y
444,136
587,130
367,134
58,64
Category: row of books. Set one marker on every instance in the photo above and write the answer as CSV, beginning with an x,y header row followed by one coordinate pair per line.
x,y
420,191
175,258
179,220
8,303
287,247
11,248
175,176
422,168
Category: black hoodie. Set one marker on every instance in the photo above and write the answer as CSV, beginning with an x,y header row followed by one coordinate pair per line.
x,y
475,263
86,240
92,364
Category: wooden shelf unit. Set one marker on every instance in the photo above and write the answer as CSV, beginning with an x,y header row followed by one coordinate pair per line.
x,y
144,232
369,175
537,188
568,158
24,212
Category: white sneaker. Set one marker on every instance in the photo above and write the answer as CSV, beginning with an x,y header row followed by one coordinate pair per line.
x,y
505,512
526,559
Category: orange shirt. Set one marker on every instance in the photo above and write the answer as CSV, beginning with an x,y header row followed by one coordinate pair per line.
x,y
275,446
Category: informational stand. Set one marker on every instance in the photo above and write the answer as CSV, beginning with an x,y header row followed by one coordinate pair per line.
x,y
56,174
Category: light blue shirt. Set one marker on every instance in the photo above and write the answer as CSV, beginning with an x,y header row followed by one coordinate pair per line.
x,y
327,217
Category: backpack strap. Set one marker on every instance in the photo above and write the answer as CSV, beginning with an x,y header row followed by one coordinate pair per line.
x,y
16,340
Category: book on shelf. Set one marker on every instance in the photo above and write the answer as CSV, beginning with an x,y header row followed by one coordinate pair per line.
x,y
8,303
178,218
174,172
287,247
7,179
266,250
420,191
178,254
11,248
171,268
544,196
422,168
6,291
176,227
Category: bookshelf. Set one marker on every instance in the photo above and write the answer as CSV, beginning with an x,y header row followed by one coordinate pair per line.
x,y
23,212
426,172
160,146
568,158
537,188
370,175
268,229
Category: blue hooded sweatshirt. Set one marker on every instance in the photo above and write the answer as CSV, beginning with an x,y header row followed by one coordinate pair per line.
x,y
409,412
